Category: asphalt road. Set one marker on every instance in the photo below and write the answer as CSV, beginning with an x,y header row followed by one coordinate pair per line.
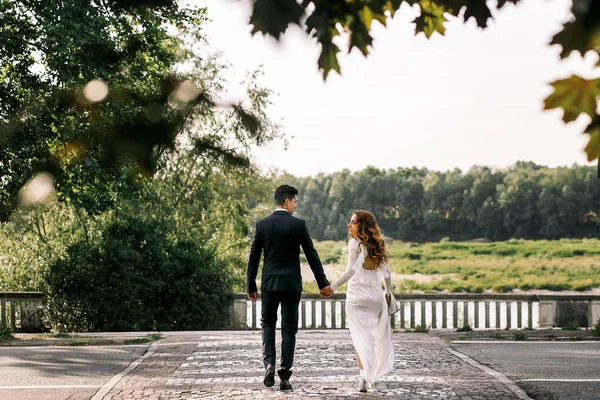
x,y
65,372
544,370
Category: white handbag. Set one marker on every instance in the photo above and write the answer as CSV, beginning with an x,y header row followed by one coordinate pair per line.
x,y
392,305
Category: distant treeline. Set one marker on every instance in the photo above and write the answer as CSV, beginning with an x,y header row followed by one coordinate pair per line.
x,y
526,201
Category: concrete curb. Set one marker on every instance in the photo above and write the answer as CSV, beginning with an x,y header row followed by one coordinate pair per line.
x,y
498,375
104,390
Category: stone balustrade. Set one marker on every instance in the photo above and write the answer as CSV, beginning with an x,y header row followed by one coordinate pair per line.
x,y
443,311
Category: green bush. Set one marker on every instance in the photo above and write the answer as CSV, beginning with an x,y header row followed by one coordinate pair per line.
x,y
498,335
572,326
138,278
477,251
582,286
519,335
6,332
419,329
565,253
556,286
330,252
476,289
596,329
413,256
505,252
464,328
451,246
458,288
442,257
334,258
502,287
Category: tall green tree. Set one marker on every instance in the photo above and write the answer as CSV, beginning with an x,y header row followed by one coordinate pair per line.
x,y
159,146
97,93
524,201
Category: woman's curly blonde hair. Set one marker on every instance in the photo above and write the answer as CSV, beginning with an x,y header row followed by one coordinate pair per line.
x,y
367,231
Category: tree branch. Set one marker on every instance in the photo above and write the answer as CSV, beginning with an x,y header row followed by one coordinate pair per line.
x,y
83,224
195,159
38,232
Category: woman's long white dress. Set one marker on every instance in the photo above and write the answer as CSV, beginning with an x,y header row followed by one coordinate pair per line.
x,y
366,308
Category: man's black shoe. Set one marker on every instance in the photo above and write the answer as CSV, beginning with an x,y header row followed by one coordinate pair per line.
x,y
269,377
285,385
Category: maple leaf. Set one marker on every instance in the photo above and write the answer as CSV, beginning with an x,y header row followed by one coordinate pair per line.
x,y
582,34
593,147
502,3
367,15
328,59
272,17
431,19
575,95
359,36
454,7
392,6
573,37
317,24
478,10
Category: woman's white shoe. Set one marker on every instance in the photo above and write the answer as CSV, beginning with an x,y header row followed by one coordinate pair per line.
x,y
362,385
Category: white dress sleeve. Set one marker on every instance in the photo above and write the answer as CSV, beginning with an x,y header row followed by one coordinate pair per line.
x,y
353,252
387,278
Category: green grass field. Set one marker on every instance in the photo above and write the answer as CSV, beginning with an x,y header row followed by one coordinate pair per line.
x,y
500,267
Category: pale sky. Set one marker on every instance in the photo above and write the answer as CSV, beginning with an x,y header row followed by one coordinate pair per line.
x,y
471,97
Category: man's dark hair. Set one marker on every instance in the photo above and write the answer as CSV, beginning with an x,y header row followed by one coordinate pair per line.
x,y
285,192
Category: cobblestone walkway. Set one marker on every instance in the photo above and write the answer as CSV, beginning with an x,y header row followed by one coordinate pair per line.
x,y
226,365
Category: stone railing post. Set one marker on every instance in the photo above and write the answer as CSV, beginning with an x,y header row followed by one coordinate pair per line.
x,y
23,311
547,313
31,315
595,312
239,313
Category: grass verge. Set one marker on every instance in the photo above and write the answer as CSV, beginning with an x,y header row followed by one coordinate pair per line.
x,y
113,342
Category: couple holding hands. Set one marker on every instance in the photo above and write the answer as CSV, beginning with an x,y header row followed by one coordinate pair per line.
x,y
280,236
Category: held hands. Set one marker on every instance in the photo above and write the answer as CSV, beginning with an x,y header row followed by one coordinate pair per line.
x,y
326,292
253,296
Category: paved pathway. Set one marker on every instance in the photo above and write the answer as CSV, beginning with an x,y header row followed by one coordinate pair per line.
x,y
226,365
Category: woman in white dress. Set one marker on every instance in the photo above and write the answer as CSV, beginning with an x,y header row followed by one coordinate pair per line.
x,y
366,306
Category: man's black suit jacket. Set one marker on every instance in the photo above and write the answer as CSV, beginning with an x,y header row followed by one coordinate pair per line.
x,y
281,235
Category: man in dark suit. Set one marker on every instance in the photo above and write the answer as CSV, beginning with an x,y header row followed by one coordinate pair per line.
x,y
281,235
